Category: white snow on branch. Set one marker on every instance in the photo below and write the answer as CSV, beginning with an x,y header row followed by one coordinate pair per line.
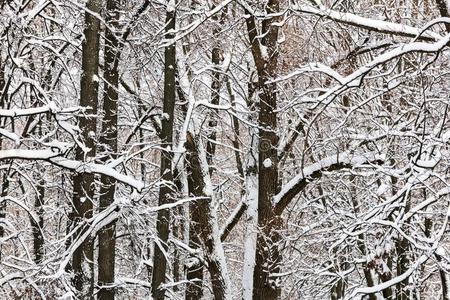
x,y
354,79
313,67
367,23
82,167
342,158
10,135
51,107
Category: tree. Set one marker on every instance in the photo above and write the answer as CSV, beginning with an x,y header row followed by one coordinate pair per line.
x,y
84,189
166,190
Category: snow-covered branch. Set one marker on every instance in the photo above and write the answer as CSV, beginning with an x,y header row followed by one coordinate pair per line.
x,y
370,24
336,162
55,157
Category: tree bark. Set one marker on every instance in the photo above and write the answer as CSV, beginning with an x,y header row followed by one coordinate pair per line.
x,y
108,140
166,191
83,184
206,227
265,55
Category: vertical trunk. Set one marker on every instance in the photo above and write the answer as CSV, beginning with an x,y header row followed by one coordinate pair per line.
x,y
216,58
402,247
83,184
165,193
194,272
108,140
3,192
444,10
251,221
206,228
38,239
362,247
268,257
3,178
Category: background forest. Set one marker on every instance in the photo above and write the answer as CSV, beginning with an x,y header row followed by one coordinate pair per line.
x,y
235,149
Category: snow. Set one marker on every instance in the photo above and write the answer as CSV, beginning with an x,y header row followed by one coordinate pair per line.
x,y
382,286
251,199
51,107
171,6
440,251
383,188
10,135
267,163
264,53
313,67
354,79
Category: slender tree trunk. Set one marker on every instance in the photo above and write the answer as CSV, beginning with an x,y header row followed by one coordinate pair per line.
x,y
216,58
38,239
83,184
166,191
108,140
251,181
4,177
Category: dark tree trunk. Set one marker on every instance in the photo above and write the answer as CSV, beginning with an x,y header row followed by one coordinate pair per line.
x,y
4,177
216,58
108,140
265,55
166,191
205,227
83,184
194,271
38,239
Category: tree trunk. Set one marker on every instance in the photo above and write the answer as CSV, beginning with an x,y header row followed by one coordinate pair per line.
x,y
83,184
265,55
38,239
206,227
108,140
166,191
4,177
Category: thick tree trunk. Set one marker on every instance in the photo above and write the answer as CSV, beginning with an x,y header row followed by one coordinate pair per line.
x,y
108,140
194,271
166,191
83,184
206,227
265,55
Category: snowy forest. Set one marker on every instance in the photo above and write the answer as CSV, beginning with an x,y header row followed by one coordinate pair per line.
x,y
225,149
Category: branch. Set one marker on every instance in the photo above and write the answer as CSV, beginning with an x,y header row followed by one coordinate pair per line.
x,y
233,220
355,79
55,158
315,171
12,113
370,24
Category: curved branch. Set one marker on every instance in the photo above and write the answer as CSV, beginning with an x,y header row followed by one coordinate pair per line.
x,y
332,163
